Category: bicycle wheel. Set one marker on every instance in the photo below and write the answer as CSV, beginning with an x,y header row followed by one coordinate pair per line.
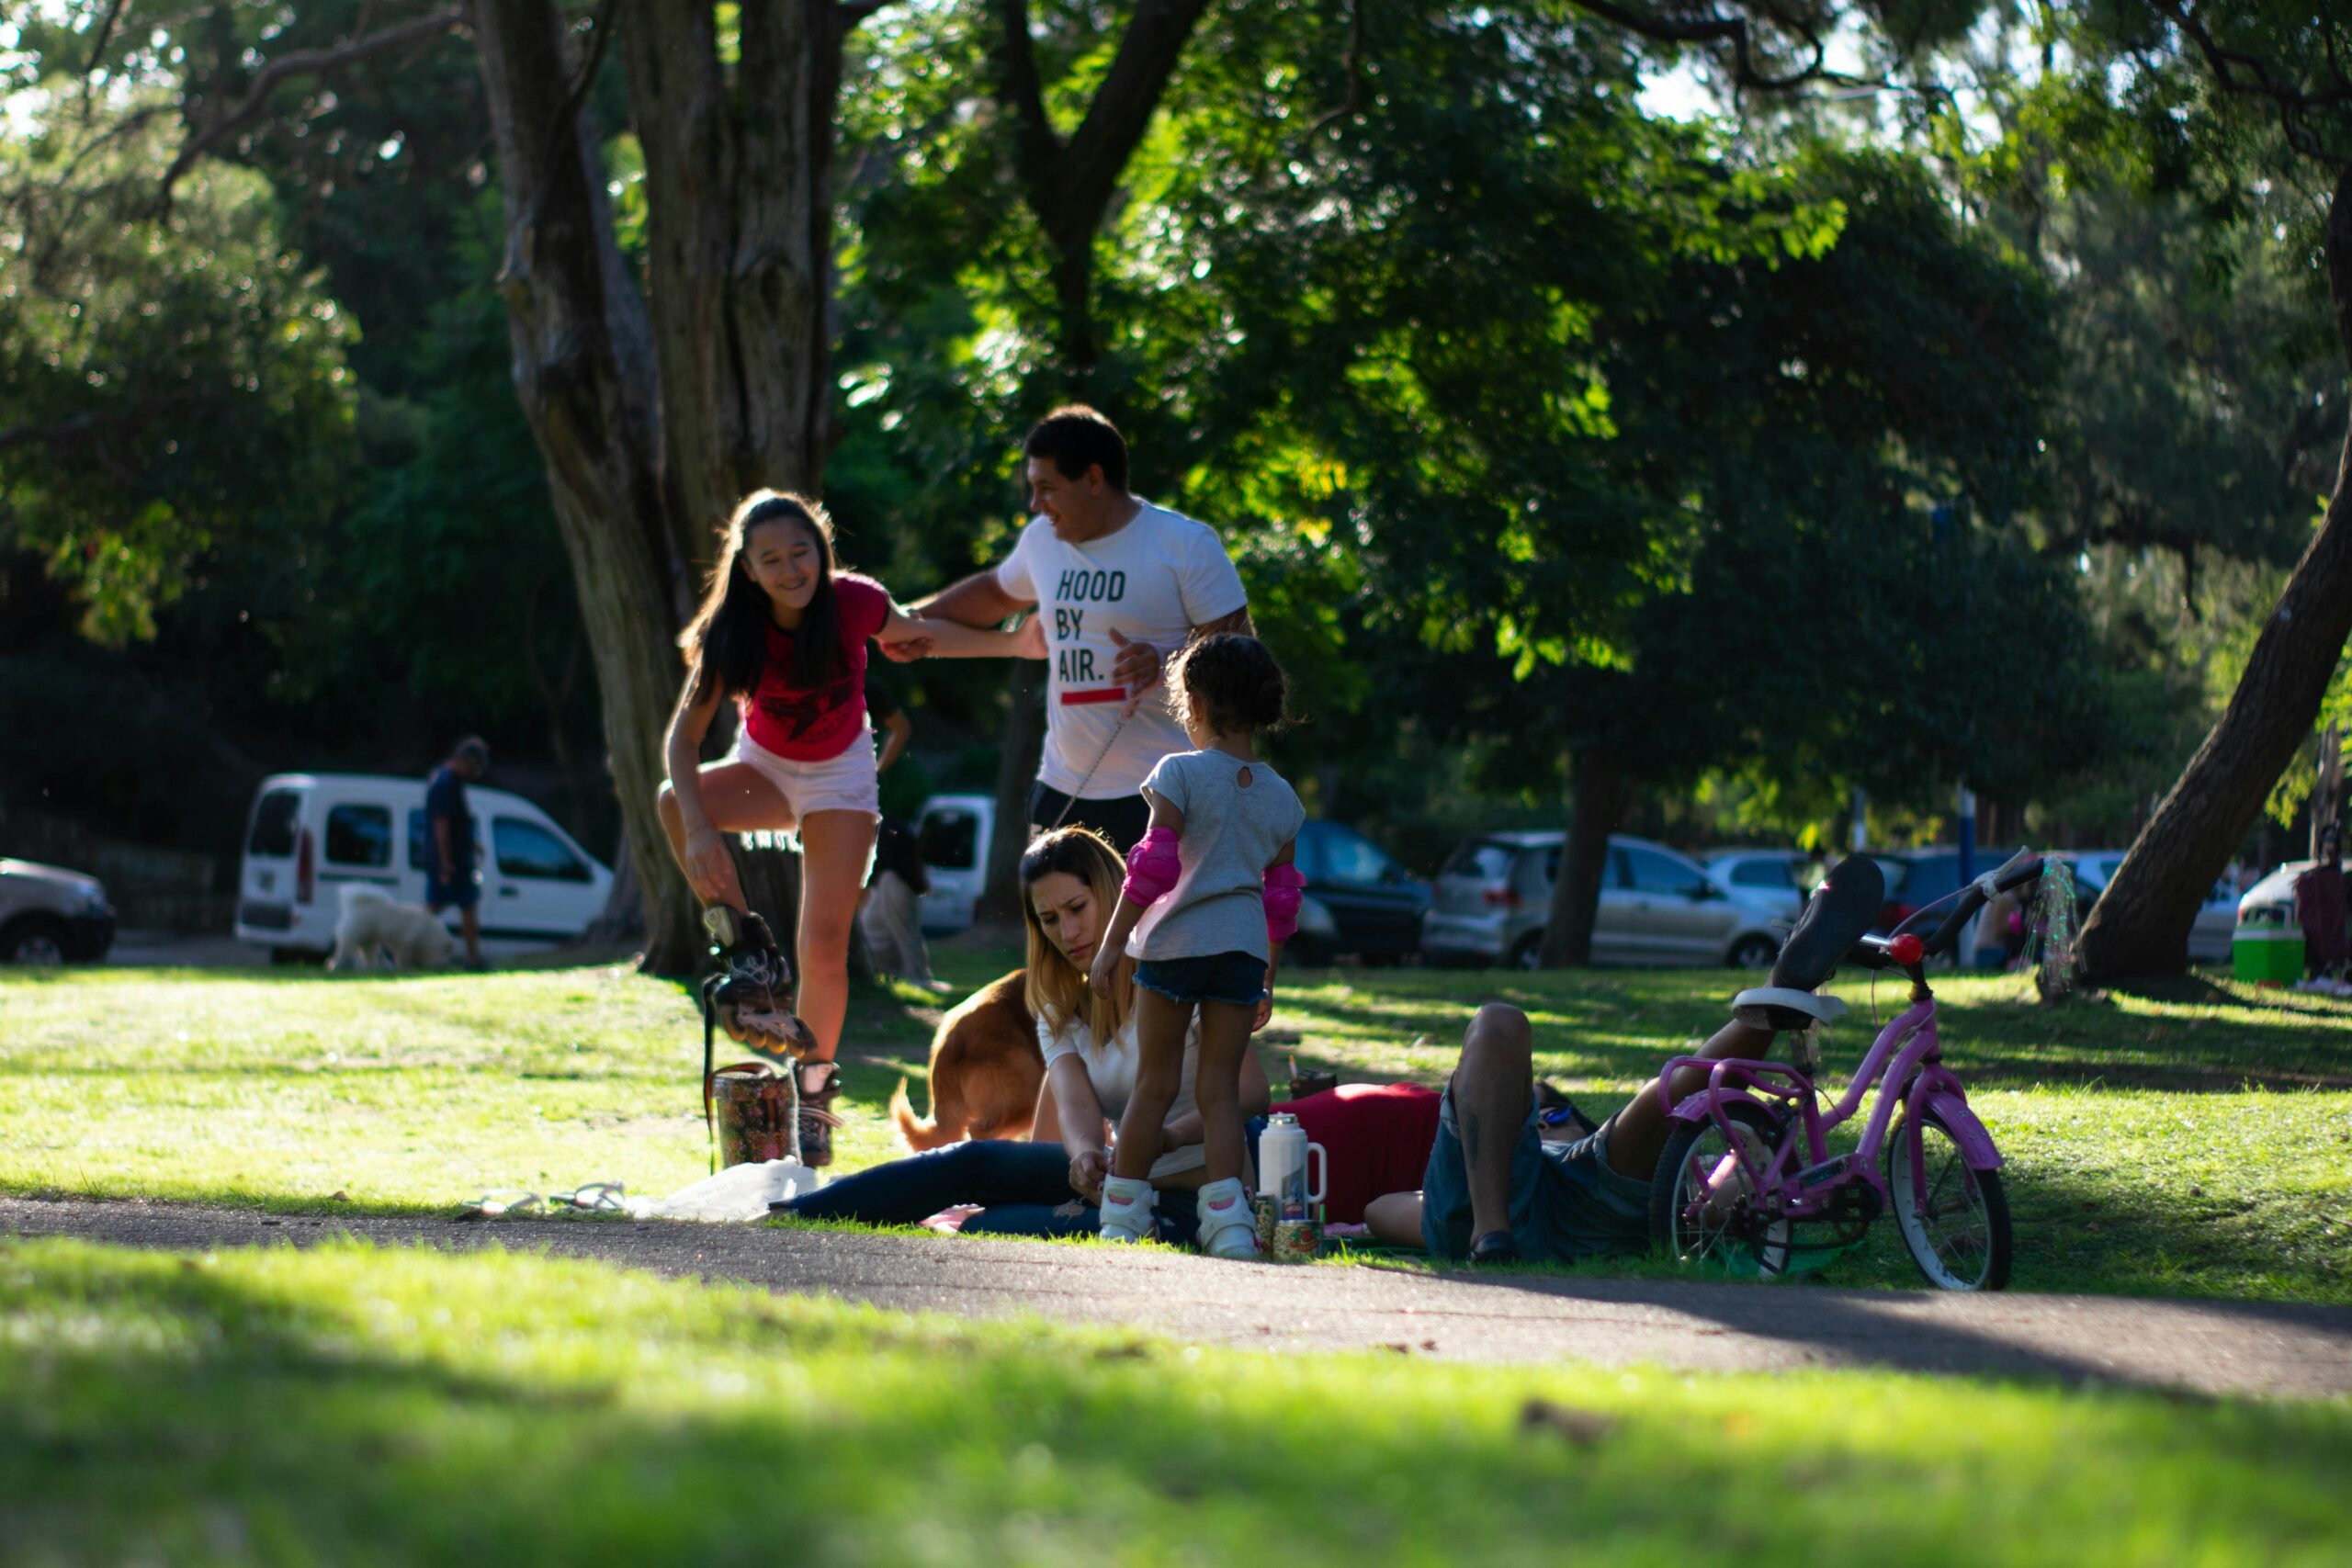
x,y
1700,1198
1959,1238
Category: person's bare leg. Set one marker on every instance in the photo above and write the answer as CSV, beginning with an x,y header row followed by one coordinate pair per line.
x,y
834,846
1160,1026
738,799
1394,1219
1493,1087
469,924
1637,1132
1216,1088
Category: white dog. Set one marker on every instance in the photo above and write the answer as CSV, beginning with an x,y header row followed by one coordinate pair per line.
x,y
414,937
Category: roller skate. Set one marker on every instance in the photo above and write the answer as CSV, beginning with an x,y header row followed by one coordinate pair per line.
x,y
750,1000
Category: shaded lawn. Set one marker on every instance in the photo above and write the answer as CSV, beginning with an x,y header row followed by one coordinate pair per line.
x,y
2146,1154
355,1404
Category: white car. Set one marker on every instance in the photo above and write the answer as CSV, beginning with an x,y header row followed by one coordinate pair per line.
x,y
1764,880
2217,916
953,830
311,834
50,915
2273,897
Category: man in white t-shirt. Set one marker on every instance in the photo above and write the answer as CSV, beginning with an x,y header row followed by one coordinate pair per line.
x,y
1119,585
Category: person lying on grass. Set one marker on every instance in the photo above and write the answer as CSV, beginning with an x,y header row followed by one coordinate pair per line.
x,y
1496,1191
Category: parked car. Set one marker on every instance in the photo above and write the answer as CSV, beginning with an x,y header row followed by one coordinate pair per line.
x,y
1357,899
1767,879
1656,906
1929,876
2217,916
50,915
311,834
953,830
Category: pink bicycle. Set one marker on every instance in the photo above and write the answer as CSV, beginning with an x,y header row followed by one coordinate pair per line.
x,y
1748,1159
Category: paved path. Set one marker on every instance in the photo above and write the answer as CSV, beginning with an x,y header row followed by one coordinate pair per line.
x,y
2198,1346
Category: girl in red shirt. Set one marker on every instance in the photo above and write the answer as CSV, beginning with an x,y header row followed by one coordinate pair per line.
x,y
782,631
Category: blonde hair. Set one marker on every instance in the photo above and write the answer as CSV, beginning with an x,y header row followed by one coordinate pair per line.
x,y
1055,990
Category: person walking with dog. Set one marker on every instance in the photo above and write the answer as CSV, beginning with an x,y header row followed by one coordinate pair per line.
x,y
782,633
453,875
1120,584
1211,895
1048,1186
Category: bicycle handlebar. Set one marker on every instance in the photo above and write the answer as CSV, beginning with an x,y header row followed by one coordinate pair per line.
x,y
2022,868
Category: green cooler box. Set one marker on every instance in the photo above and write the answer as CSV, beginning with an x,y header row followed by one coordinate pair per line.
x,y
2268,951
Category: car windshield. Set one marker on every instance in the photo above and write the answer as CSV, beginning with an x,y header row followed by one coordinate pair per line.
x,y
1349,856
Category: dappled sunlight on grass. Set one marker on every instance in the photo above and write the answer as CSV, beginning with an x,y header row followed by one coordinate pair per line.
x,y
351,1404
2140,1159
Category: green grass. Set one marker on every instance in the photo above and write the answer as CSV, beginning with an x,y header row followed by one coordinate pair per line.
x,y
2191,1139
361,1406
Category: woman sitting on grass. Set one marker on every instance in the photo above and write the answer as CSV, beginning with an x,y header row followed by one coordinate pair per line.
x,y
1051,1185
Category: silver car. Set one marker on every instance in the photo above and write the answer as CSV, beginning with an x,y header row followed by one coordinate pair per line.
x,y
1657,906
50,915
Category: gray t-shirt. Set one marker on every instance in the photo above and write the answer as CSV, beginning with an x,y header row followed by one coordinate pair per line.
x,y
1232,832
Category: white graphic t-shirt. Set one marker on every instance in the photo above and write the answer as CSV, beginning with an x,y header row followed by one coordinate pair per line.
x,y
1152,581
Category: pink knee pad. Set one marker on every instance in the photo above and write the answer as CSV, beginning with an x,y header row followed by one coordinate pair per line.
x,y
1152,867
1282,885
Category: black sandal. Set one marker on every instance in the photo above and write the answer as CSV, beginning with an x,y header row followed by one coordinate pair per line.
x,y
1495,1247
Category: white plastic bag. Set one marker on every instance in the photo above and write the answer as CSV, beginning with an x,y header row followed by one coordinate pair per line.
x,y
740,1193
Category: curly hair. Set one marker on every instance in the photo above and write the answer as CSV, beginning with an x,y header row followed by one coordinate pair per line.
x,y
1232,682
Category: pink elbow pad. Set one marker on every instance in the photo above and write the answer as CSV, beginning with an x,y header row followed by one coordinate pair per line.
x,y
1282,885
1152,867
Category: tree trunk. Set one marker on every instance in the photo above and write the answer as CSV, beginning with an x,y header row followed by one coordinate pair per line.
x,y
739,191
1597,790
1024,743
584,376
2139,925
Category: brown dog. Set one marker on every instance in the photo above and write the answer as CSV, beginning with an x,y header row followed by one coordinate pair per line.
x,y
986,1069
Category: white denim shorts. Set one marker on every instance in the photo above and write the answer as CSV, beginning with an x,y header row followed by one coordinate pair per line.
x,y
846,783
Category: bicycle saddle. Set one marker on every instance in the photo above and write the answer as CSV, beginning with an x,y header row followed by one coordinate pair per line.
x,y
1785,1007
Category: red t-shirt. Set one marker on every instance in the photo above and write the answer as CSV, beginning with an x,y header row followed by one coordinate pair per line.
x,y
1376,1138
816,724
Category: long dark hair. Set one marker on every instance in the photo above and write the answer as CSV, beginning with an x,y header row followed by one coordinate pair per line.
x,y
728,640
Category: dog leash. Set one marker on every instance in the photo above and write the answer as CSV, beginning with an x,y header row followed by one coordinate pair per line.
x,y
1069,801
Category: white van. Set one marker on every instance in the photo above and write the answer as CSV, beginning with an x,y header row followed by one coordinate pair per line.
x,y
311,833
953,830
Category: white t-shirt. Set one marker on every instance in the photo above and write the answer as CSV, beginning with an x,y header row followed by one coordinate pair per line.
x,y
1152,581
1112,1069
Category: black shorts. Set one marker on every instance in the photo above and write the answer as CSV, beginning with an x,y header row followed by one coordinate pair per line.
x,y
1119,817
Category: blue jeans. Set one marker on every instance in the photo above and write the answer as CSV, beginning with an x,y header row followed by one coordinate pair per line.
x,y
1023,1189
1566,1200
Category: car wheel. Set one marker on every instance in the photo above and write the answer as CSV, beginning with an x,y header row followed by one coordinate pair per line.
x,y
1528,952
1308,951
1754,952
35,939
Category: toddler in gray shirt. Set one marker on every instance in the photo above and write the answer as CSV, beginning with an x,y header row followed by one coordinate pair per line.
x,y
1210,897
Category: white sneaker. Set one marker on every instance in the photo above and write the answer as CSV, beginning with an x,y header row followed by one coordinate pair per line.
x,y
1229,1224
1128,1203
